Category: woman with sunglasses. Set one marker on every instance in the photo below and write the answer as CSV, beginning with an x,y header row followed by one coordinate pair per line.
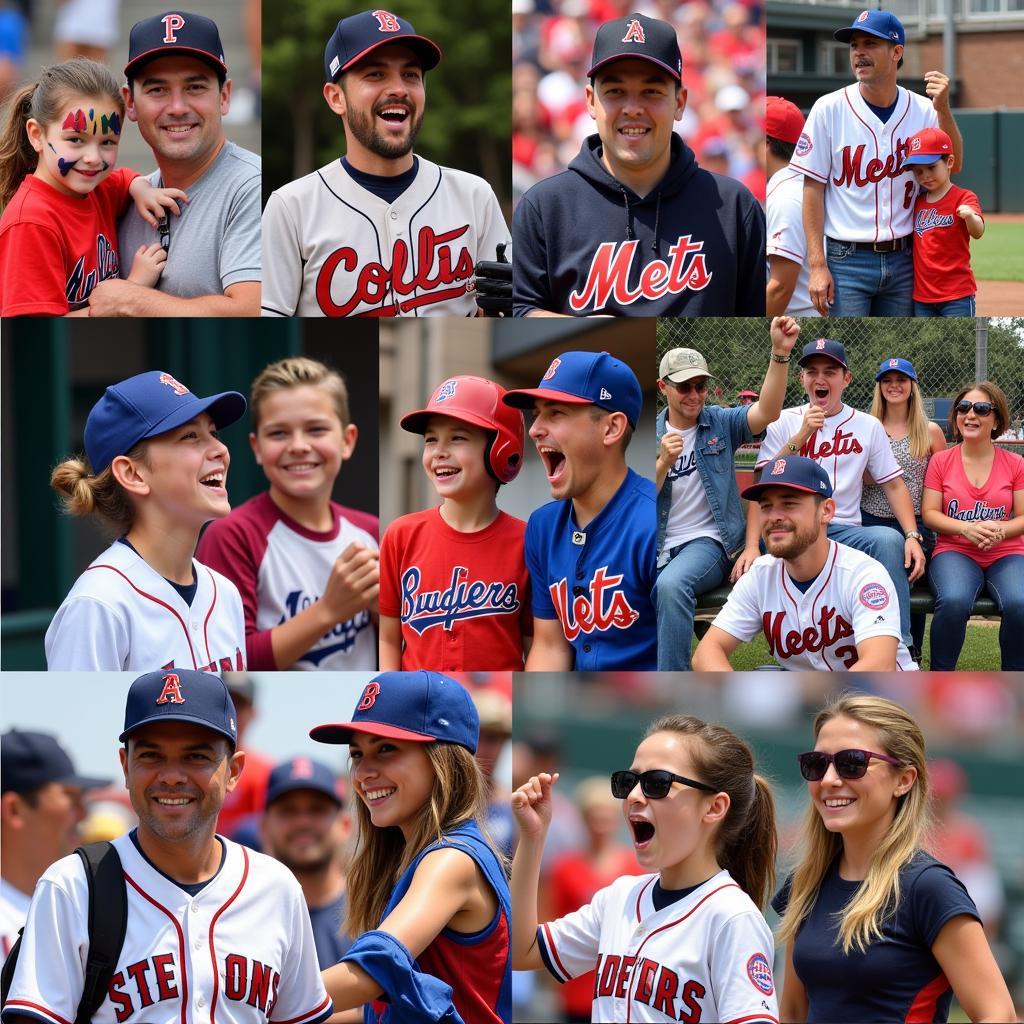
x,y
974,500
687,940
876,929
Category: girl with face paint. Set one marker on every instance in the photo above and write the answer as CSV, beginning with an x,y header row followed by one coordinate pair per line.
x,y
61,196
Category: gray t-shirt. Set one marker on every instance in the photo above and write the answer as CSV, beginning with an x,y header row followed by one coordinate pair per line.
x,y
216,240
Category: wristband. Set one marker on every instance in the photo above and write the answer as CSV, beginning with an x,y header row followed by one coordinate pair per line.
x,y
781,359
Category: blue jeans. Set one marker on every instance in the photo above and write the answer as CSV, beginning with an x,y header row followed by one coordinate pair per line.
x,y
694,568
956,581
955,307
870,283
885,546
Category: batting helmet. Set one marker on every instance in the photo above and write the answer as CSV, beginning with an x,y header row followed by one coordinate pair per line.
x,y
477,400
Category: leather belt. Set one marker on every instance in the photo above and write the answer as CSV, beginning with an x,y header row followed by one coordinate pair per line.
x,y
894,245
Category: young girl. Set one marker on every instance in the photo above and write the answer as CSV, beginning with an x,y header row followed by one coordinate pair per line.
x,y
306,567
687,941
875,928
61,197
427,895
154,472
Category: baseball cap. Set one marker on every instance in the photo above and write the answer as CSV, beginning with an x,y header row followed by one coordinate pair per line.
x,y
795,472
679,364
183,695
356,36
637,36
746,394
904,366
586,378
425,707
824,347
927,146
301,773
146,405
29,760
784,120
883,24
174,32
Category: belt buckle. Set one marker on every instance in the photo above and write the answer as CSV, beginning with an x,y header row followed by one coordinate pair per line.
x,y
889,246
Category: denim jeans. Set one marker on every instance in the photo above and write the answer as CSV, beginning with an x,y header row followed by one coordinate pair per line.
x,y
955,307
695,568
956,581
870,283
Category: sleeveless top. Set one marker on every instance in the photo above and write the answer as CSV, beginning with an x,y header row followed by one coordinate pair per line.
x,y
873,497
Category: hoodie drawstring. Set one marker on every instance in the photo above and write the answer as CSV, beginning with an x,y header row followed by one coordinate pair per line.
x,y
629,219
657,217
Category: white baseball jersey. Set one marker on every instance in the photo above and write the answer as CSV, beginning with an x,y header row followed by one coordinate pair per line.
x,y
706,957
331,248
239,952
785,206
122,615
850,443
869,196
852,600
13,911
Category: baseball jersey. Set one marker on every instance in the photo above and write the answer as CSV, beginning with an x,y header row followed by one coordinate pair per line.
x,y
705,957
850,443
332,248
239,952
785,205
851,600
280,569
54,249
869,195
942,247
599,582
122,615
462,598
14,906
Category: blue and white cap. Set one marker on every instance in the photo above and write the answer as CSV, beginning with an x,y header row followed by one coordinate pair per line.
x,y
904,366
824,347
182,695
794,472
302,773
883,24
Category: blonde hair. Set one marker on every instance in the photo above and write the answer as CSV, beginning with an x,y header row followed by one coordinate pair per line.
x,y
877,898
917,421
83,493
297,372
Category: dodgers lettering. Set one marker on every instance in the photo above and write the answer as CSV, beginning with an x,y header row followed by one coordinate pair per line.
x,y
927,220
656,986
830,628
461,600
605,608
979,512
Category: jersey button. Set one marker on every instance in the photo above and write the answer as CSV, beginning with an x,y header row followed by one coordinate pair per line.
x,y
195,909
586,648
577,590
394,215
198,944
200,1002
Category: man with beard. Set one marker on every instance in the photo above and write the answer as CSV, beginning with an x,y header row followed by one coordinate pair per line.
x,y
381,231
213,929
305,828
822,606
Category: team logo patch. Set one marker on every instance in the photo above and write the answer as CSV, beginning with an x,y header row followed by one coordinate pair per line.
x,y
171,692
445,391
874,596
555,364
635,33
893,364
369,697
804,144
387,21
335,64
172,23
778,468
579,538
175,385
605,395
302,768
759,971
915,145
863,16
819,345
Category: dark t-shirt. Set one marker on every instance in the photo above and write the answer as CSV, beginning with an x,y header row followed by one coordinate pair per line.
x,y
897,979
330,943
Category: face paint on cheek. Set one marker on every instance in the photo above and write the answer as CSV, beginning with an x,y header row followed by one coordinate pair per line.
x,y
64,166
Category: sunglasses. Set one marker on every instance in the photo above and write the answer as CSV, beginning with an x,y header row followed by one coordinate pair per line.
x,y
164,229
981,408
850,764
688,385
654,784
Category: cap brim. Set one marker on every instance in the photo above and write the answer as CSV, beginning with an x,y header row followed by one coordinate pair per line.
x,y
174,716
426,49
636,56
416,422
226,408
922,158
294,784
132,67
819,355
342,732
844,35
680,376
84,781
755,490
525,397
893,369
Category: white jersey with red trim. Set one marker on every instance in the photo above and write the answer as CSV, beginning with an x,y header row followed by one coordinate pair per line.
x,y
704,958
241,951
13,911
786,234
869,195
332,248
122,615
852,600
850,443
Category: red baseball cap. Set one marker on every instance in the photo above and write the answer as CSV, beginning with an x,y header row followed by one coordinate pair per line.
x,y
927,146
784,120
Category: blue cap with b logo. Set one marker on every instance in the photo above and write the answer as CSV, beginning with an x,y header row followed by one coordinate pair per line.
x,y
795,472
883,24
904,366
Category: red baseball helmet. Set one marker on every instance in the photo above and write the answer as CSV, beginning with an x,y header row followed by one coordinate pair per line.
x,y
477,400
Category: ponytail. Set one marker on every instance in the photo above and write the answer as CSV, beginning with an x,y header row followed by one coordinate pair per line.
x,y
17,157
84,494
747,847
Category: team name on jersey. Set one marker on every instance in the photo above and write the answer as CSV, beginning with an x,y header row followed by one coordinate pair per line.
x,y
217,665
830,628
978,512
928,220
344,634
462,599
605,607
842,443
856,172
79,284
683,466
656,985
156,979
608,277
404,277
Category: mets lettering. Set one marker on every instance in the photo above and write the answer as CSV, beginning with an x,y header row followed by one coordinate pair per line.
x,y
218,665
978,513
876,170
603,609
402,278
926,220
610,272
652,983
462,600
841,444
829,628
79,284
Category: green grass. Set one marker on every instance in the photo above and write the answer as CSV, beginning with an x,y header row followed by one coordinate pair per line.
x,y
999,254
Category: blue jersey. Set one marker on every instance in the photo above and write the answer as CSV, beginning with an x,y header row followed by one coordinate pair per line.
x,y
599,582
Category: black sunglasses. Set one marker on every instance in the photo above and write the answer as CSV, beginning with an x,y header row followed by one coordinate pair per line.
x,y
164,228
687,386
850,764
981,408
654,784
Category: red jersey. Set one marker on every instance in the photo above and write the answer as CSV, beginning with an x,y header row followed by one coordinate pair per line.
x,y
54,249
462,598
942,247
961,500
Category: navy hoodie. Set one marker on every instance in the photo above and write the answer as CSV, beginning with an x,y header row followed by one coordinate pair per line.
x,y
584,243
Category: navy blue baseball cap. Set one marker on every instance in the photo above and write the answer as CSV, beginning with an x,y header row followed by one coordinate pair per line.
x,y
824,347
356,36
586,378
181,695
883,24
144,406
302,773
175,32
425,707
904,366
29,760
641,37
794,472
